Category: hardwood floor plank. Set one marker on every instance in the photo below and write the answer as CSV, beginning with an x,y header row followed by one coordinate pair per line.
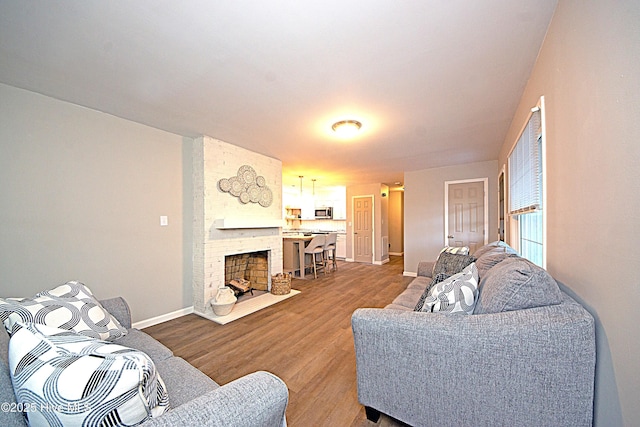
x,y
305,340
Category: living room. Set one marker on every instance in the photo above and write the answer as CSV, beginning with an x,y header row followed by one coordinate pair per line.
x,y
83,190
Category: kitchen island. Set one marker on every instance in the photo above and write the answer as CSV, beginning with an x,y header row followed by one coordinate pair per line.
x,y
293,253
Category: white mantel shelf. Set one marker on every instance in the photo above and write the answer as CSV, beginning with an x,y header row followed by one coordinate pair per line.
x,y
235,223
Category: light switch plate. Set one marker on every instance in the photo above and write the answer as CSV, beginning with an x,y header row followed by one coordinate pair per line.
x,y
164,221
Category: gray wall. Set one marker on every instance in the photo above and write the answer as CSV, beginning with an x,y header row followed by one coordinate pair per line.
x,y
589,72
81,196
424,208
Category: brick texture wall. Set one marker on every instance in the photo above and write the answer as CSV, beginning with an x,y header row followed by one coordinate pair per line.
x,y
213,160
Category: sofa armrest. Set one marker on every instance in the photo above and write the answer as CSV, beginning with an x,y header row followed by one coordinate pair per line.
x,y
425,268
525,367
256,400
119,309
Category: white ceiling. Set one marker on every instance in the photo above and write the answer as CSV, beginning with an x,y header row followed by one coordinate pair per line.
x,y
434,82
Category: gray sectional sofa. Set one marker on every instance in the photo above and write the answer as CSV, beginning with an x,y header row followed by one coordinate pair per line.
x,y
258,399
525,357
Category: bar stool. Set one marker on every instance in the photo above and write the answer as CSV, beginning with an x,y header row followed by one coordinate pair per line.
x,y
315,249
330,251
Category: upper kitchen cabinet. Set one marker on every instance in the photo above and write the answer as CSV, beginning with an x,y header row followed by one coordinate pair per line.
x,y
308,200
334,197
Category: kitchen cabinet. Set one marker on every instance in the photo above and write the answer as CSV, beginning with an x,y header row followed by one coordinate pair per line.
x,y
334,197
308,208
341,246
340,209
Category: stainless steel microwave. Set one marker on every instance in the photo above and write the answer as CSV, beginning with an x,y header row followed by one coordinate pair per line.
x,y
324,213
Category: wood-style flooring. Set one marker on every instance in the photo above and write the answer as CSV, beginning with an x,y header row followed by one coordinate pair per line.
x,y
306,340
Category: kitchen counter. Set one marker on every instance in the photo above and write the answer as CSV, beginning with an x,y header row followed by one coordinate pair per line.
x,y
293,253
293,244
294,232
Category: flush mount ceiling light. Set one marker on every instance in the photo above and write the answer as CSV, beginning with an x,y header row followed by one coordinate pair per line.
x,y
346,128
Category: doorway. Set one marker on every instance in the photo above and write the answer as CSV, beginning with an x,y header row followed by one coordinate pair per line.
x,y
363,229
466,218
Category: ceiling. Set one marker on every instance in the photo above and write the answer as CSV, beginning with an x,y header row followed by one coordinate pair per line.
x,y
434,82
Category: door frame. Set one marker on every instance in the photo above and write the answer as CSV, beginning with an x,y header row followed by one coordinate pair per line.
x,y
373,226
485,182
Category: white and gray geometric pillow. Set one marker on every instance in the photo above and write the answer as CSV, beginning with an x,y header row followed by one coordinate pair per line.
x,y
456,294
63,378
437,279
71,306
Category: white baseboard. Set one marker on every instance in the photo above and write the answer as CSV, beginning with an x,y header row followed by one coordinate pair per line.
x,y
162,318
409,273
384,261
396,253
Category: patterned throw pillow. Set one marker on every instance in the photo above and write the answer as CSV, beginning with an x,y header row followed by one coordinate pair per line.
x,y
457,294
63,378
451,264
71,306
461,250
437,279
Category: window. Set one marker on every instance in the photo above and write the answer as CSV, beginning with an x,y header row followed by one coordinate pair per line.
x,y
526,189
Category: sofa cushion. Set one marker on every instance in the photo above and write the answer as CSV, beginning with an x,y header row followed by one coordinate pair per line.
x,y
451,264
139,340
490,259
515,284
497,246
71,306
408,298
456,294
184,382
420,283
64,378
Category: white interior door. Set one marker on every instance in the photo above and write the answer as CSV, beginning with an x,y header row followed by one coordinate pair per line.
x,y
466,216
363,229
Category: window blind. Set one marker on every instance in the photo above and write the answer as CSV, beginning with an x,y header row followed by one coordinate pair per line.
x,y
525,169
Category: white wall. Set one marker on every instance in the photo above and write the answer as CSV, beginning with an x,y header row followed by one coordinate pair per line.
x,y
589,72
81,196
214,160
424,208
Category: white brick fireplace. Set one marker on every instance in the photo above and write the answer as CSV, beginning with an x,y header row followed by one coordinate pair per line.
x,y
227,225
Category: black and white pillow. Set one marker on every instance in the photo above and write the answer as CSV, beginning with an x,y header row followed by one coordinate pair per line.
x,y
63,378
456,294
71,306
460,250
450,264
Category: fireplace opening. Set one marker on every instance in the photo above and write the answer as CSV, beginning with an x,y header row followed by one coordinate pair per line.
x,y
251,266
